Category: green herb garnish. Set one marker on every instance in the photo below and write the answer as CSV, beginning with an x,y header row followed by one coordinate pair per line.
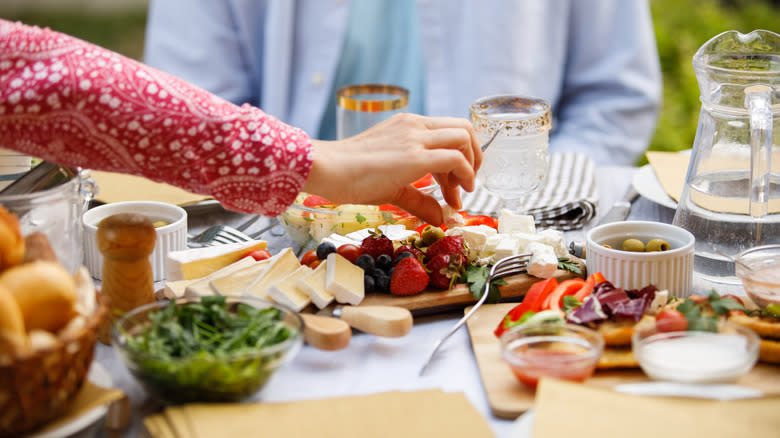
x,y
360,218
207,351
476,277
569,265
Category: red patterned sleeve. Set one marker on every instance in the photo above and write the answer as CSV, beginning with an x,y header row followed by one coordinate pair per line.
x,y
71,102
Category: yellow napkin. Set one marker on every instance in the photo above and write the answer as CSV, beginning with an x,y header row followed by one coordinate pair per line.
x,y
117,187
566,409
90,397
671,167
423,414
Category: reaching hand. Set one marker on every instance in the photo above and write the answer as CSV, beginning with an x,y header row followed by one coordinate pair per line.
x,y
379,165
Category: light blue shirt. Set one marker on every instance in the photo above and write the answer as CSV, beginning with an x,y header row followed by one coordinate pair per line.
x,y
595,61
381,46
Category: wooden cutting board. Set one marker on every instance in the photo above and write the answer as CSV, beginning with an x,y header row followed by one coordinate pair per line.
x,y
508,398
438,301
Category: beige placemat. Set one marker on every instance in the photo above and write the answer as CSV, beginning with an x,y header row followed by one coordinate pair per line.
x,y
572,410
118,187
424,414
671,168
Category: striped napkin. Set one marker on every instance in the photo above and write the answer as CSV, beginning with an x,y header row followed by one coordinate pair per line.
x,y
567,201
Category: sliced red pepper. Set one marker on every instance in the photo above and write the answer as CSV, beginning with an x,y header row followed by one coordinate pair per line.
x,y
598,277
531,302
569,287
425,181
422,227
587,289
479,219
316,201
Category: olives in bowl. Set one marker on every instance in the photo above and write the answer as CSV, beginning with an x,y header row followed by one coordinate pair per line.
x,y
667,265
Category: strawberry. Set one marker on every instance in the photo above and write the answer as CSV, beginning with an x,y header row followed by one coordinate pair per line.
x,y
410,249
377,244
446,245
445,270
409,277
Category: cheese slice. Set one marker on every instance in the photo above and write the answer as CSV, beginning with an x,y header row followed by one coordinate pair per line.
x,y
344,280
284,263
313,285
286,291
177,289
201,287
194,263
235,283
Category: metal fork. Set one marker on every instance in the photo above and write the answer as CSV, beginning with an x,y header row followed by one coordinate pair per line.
x,y
507,266
217,234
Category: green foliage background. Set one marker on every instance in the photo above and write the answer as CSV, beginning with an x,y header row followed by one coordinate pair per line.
x,y
681,27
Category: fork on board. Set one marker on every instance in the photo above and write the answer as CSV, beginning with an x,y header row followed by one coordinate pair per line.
x,y
217,235
507,266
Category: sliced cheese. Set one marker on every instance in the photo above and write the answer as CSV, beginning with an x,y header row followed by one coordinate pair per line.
x,y
313,285
235,283
177,289
194,263
201,287
344,280
282,264
286,291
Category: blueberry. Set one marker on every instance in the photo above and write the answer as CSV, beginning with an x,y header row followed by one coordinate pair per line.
x,y
324,249
381,281
384,262
366,262
402,255
368,283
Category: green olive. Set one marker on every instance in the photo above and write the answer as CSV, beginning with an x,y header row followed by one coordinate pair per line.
x,y
657,245
634,245
606,245
431,234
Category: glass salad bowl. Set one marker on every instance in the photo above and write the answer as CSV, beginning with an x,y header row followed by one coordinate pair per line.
x,y
208,349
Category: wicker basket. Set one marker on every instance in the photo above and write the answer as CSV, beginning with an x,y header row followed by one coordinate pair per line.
x,y
39,387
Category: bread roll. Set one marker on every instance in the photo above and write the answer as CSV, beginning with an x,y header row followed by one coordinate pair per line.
x,y
45,292
11,240
13,336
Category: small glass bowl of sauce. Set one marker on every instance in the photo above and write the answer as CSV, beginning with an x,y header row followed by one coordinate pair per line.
x,y
696,356
759,270
559,350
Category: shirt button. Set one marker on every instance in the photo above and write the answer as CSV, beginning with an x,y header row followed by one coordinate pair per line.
x,y
317,79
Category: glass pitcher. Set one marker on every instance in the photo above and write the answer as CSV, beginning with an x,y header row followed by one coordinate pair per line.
x,y
731,197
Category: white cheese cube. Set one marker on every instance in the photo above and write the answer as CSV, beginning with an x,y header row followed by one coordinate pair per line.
x,y
661,297
490,245
359,235
344,280
506,247
543,262
475,237
396,232
525,239
451,217
337,240
554,238
510,223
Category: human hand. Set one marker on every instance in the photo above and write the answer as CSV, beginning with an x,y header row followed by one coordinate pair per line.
x,y
378,166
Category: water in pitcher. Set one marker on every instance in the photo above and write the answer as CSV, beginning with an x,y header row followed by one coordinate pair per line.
x,y
721,236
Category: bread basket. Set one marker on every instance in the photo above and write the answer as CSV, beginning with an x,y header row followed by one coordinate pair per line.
x,y
38,387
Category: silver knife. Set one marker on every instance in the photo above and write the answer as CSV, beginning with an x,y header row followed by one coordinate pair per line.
x,y
620,209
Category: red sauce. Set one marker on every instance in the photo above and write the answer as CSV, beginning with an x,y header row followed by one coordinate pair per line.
x,y
552,363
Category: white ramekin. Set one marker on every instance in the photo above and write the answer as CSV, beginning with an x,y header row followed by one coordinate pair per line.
x,y
171,237
671,270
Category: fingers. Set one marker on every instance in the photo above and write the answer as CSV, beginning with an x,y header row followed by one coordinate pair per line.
x,y
419,204
452,163
449,132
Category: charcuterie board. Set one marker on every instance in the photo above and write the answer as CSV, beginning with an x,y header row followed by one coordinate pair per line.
x,y
508,398
438,301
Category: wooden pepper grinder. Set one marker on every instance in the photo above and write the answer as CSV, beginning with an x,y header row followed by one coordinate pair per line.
x,y
126,240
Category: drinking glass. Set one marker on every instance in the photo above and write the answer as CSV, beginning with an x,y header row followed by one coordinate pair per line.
x,y
361,106
515,164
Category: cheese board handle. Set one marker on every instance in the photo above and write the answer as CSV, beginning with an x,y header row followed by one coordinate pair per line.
x,y
387,321
325,333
